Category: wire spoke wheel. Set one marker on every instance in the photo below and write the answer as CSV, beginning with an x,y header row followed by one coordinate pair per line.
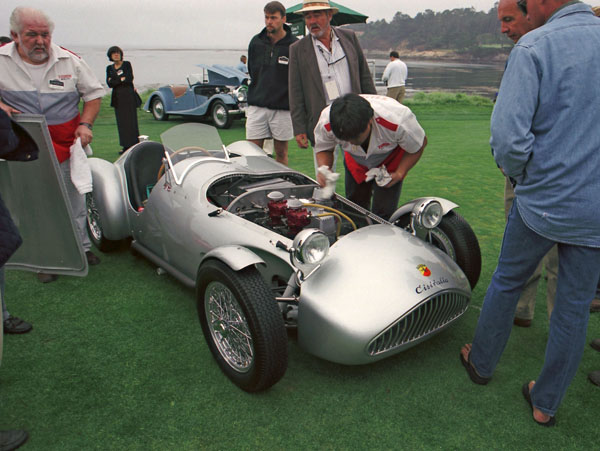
x,y
229,327
94,226
242,325
93,218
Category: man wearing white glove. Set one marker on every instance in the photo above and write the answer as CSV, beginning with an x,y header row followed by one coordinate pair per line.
x,y
382,141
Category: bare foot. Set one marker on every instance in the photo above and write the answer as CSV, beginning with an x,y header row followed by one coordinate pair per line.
x,y
538,415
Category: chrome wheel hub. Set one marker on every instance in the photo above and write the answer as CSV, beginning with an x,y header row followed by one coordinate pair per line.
x,y
228,327
93,218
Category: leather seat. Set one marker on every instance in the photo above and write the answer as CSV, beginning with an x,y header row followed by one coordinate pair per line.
x,y
141,169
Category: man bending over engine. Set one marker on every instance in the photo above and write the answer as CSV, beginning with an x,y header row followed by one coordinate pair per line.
x,y
382,141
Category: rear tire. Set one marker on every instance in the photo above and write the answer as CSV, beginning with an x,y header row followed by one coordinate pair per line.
x,y
94,226
242,325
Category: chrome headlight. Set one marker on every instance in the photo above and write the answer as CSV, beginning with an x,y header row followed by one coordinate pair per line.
x,y
428,214
241,94
310,248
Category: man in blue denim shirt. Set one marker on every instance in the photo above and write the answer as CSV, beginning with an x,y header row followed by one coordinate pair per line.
x,y
545,136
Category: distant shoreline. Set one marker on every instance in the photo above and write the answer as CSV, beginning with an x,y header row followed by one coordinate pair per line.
x,y
439,55
426,55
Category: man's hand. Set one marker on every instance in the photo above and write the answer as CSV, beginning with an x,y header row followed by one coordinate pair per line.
x,y
8,109
302,140
85,134
321,180
397,176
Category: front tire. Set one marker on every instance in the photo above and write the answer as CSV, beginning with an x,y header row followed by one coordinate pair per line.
x,y
242,325
220,115
158,109
455,237
94,226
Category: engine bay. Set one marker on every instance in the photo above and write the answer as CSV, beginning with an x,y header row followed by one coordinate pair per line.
x,y
287,203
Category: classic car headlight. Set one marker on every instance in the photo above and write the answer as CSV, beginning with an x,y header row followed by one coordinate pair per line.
x,y
241,94
310,248
428,214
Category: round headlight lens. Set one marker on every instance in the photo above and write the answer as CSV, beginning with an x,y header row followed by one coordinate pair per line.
x,y
311,246
241,94
431,214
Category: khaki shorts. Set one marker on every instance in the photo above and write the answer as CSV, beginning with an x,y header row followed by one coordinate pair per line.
x,y
263,123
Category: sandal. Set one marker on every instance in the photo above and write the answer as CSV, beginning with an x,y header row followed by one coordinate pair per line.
x,y
525,390
472,372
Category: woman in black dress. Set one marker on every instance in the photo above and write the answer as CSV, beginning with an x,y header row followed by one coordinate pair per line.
x,y
124,99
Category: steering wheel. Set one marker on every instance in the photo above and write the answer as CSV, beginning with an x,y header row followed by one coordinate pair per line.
x,y
161,170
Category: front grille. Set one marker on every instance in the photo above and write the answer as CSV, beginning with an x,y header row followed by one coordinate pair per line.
x,y
428,317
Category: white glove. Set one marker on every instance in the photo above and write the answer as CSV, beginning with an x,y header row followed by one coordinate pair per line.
x,y
330,180
381,175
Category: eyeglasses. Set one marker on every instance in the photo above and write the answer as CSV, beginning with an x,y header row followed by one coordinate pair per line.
x,y
522,4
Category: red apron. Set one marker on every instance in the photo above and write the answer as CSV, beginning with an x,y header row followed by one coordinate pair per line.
x,y
359,171
63,136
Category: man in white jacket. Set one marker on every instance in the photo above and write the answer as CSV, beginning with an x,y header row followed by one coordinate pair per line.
x,y
394,76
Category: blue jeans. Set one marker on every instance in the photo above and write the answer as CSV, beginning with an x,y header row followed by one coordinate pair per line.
x,y
385,200
578,274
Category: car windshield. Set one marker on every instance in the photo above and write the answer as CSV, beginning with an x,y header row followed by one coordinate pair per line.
x,y
194,79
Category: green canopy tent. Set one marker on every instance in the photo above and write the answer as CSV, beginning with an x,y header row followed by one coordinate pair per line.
x,y
344,16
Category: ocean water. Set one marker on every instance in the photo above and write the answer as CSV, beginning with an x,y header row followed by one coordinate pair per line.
x,y
156,67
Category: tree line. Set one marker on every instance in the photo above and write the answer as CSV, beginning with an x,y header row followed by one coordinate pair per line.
x,y
463,30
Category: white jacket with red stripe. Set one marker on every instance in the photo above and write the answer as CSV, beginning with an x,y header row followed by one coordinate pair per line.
x,y
67,79
395,125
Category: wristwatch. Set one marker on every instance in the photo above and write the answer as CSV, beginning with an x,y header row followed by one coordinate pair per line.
x,y
86,124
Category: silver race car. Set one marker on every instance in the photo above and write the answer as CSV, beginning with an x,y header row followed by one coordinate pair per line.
x,y
266,251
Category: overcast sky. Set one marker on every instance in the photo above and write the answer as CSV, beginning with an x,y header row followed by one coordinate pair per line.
x,y
189,24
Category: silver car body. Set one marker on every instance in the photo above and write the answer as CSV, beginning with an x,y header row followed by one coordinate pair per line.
x,y
367,300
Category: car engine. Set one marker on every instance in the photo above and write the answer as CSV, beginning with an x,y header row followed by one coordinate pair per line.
x,y
287,204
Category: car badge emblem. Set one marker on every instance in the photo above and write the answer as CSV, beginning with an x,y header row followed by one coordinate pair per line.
x,y
424,270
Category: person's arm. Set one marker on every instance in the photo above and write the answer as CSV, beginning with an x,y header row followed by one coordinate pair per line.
x,y
250,61
127,72
324,158
8,138
367,86
88,116
112,79
8,109
386,73
406,164
296,96
512,139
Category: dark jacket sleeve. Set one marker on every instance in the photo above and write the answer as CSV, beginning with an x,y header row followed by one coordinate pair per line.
x,y
15,142
127,72
112,79
361,78
367,86
8,138
298,109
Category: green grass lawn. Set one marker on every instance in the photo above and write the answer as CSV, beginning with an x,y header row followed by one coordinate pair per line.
x,y
116,360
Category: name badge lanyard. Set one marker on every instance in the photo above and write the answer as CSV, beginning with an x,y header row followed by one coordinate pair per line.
x,y
331,86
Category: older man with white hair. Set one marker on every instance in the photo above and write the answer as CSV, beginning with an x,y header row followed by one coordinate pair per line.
x,y
39,77
324,65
